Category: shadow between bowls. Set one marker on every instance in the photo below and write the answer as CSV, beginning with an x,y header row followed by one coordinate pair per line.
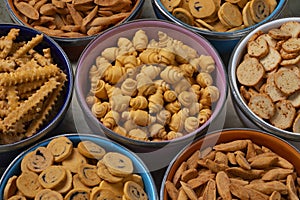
x,y
139,167
155,154
274,143
9,151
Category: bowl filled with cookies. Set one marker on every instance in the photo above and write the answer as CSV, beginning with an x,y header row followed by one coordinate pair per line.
x,y
234,164
77,166
36,86
148,82
264,78
73,24
223,23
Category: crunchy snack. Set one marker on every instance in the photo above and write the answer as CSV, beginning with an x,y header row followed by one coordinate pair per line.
x,y
73,18
152,90
273,93
31,84
220,16
92,179
258,173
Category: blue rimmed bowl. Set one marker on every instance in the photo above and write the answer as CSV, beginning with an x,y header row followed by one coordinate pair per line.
x,y
139,167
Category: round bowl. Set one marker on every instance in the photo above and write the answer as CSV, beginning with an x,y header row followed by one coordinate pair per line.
x,y
271,142
224,42
61,106
108,39
247,116
14,169
74,42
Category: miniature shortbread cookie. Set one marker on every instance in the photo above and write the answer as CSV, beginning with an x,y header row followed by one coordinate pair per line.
x,y
287,81
91,150
78,193
41,159
52,176
88,174
250,72
262,105
134,191
284,114
10,187
28,184
48,194
202,8
118,164
60,148
259,9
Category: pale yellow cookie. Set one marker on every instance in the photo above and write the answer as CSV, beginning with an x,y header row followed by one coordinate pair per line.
x,y
170,5
247,18
91,150
88,174
105,174
118,164
65,185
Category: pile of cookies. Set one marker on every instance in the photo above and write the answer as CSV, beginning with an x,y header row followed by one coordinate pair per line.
x,y
62,171
239,169
152,90
220,15
73,18
269,76
30,86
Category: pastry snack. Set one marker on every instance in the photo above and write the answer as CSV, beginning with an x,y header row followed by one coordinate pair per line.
x,y
74,18
30,85
110,175
220,16
239,169
269,76
152,90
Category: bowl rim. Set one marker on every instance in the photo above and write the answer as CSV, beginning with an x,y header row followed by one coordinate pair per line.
x,y
237,98
219,35
161,23
133,13
227,131
70,85
137,162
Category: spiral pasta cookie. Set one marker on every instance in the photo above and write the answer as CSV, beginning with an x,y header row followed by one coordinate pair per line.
x,y
52,176
91,150
118,164
28,184
41,159
134,191
60,148
48,194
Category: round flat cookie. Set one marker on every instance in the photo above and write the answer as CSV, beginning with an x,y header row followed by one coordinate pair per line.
x,y
170,5
61,148
48,194
250,72
230,14
28,184
52,176
91,150
202,8
183,15
134,191
259,10
284,114
262,105
118,164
